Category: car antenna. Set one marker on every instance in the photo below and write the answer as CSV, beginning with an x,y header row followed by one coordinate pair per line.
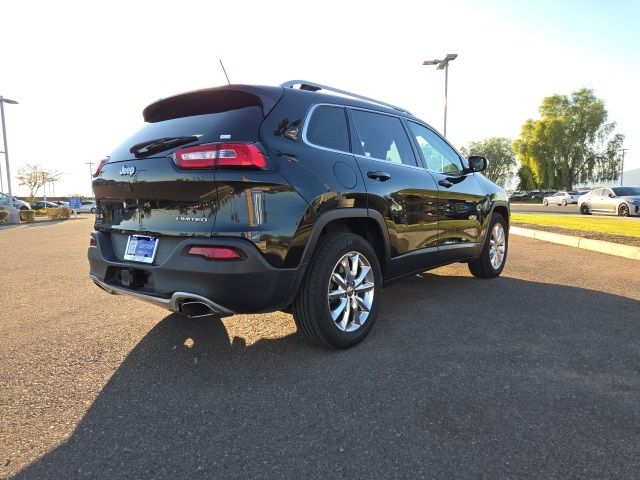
x,y
224,70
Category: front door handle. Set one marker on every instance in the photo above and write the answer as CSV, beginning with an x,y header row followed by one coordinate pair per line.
x,y
445,183
378,175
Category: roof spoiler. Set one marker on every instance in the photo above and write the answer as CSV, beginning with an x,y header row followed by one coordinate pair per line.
x,y
213,100
314,87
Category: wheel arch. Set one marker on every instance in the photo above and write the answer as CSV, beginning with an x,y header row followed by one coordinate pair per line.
x,y
361,221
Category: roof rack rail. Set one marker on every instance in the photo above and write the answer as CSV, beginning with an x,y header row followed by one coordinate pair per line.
x,y
314,87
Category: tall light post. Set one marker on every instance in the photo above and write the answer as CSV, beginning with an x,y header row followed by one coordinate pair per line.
x,y
443,65
6,148
90,175
623,150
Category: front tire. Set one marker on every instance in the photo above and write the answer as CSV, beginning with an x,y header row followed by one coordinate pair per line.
x,y
337,304
545,202
491,261
584,209
623,210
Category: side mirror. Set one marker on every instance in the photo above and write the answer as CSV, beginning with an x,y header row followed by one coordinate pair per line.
x,y
477,163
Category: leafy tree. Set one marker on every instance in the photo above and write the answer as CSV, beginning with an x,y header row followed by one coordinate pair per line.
x,y
33,176
497,150
571,143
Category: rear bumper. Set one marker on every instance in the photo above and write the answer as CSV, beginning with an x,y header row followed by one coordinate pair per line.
x,y
249,285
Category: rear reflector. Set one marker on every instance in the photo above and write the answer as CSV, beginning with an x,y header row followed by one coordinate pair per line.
x,y
216,253
221,155
99,167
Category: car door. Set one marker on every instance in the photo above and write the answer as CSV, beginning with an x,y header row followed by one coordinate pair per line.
x,y
596,201
609,203
461,200
398,188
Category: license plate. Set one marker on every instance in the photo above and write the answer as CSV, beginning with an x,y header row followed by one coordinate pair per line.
x,y
141,248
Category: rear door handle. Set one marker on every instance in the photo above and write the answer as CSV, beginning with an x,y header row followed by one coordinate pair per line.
x,y
378,175
445,183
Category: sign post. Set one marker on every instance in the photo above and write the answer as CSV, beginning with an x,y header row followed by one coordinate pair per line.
x,y
74,204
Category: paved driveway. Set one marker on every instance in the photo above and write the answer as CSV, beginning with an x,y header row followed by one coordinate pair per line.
x,y
532,375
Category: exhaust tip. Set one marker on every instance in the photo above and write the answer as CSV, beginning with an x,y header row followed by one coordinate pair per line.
x,y
195,308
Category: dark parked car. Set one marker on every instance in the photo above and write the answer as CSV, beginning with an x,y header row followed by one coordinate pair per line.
x,y
41,204
249,198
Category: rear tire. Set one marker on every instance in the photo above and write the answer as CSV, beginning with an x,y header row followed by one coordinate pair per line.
x,y
545,202
564,203
337,304
584,209
491,261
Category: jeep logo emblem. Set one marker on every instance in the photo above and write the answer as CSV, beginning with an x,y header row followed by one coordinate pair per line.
x,y
127,170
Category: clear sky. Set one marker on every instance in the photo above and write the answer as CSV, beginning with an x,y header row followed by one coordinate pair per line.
x,y
83,71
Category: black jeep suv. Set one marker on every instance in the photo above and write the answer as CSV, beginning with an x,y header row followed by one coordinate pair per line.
x,y
302,198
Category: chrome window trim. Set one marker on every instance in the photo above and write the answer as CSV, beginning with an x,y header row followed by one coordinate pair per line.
x,y
307,120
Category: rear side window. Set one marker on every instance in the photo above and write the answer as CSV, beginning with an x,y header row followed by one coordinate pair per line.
x,y
328,128
382,137
242,125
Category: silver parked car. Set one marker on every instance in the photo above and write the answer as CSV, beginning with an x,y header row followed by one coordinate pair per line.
x,y
88,206
19,204
561,198
623,201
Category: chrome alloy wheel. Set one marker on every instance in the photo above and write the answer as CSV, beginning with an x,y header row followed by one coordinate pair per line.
x,y
350,291
497,246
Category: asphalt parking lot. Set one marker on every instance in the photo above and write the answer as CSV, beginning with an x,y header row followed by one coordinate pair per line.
x,y
535,374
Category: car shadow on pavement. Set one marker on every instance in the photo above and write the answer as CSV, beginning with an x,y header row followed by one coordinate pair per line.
x,y
461,378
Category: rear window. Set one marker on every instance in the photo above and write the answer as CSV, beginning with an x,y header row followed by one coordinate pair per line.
x,y
328,128
242,124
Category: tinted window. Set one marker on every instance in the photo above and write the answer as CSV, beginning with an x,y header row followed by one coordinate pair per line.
x,y
382,137
626,191
607,192
242,124
438,156
328,128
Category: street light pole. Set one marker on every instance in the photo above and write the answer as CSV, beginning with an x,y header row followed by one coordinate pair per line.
x,y
444,65
623,150
90,174
6,148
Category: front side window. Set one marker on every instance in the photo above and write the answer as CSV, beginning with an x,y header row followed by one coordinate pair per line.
x,y
597,192
607,192
382,137
438,156
328,128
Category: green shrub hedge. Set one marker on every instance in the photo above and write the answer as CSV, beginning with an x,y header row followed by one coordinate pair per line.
x,y
59,213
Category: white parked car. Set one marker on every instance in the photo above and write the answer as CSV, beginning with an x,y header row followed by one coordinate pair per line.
x,y
88,206
561,198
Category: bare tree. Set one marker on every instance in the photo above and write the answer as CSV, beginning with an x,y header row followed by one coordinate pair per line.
x,y
33,176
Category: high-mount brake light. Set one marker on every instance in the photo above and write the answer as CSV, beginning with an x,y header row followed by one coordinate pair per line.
x,y
99,167
221,155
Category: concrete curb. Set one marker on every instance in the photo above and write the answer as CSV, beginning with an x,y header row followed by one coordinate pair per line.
x,y
626,251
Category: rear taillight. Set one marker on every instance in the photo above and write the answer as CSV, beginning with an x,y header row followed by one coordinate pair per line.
x,y
92,240
99,167
216,253
221,155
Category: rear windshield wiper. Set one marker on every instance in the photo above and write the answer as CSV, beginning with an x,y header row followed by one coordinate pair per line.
x,y
159,144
